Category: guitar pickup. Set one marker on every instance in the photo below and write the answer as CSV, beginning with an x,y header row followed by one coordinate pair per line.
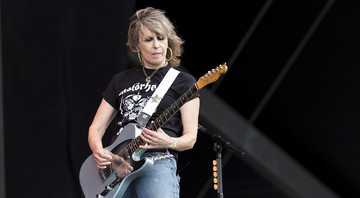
x,y
105,173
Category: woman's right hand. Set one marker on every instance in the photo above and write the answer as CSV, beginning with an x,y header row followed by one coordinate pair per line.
x,y
102,157
121,166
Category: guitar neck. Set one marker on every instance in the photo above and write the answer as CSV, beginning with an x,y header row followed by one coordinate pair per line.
x,y
172,109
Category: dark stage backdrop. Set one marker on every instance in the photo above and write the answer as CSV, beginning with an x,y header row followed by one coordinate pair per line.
x,y
59,55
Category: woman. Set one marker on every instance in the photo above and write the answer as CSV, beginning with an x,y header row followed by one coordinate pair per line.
x,y
153,37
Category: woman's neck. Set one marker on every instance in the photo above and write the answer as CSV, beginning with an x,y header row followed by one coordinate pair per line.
x,y
156,66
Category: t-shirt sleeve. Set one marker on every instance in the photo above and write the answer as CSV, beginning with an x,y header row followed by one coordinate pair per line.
x,y
110,94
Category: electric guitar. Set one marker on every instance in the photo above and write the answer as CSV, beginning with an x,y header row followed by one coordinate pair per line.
x,y
97,182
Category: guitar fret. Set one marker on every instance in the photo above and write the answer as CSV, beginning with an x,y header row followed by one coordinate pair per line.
x,y
171,113
183,100
176,107
189,95
151,126
131,147
193,90
157,125
136,143
162,119
168,114
139,142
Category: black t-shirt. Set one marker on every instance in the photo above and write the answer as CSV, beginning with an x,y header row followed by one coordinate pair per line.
x,y
128,92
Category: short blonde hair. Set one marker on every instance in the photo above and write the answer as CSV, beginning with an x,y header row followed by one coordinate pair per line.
x,y
156,21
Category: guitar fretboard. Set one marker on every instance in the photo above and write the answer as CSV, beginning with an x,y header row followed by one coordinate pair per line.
x,y
172,109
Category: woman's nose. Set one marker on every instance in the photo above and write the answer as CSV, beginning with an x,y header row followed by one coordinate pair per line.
x,y
156,43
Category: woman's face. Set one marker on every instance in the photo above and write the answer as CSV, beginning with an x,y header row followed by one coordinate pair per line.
x,y
153,48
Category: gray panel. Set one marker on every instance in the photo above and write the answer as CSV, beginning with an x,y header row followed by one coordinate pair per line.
x,y
260,152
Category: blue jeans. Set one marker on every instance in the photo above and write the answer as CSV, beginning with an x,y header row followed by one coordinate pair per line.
x,y
159,182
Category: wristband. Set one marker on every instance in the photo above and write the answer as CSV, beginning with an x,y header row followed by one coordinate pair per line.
x,y
174,144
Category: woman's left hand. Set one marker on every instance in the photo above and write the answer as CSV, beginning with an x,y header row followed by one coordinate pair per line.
x,y
155,139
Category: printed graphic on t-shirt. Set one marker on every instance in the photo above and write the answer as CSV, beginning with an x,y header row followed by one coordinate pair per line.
x,y
131,105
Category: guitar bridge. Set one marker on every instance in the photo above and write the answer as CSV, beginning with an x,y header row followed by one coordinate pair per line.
x,y
108,188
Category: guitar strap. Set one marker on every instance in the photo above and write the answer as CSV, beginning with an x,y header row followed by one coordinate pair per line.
x,y
157,96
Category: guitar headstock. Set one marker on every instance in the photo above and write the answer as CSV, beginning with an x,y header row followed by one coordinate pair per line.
x,y
211,76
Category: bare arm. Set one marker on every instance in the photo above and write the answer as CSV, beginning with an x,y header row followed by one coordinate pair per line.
x,y
103,117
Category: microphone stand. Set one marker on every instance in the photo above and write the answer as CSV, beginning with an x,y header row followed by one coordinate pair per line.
x,y
219,143
218,150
